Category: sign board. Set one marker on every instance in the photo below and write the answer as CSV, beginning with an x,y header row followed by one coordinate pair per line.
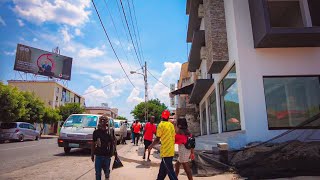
x,y
172,99
40,62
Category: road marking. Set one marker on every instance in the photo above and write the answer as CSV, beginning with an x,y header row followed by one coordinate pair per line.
x,y
23,147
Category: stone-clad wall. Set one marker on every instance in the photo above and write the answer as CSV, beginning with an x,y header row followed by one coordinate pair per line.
x,y
215,32
192,117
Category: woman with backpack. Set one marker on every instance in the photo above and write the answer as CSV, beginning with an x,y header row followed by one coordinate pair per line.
x,y
186,145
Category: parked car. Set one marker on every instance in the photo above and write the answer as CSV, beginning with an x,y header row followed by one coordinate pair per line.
x,y
77,131
18,131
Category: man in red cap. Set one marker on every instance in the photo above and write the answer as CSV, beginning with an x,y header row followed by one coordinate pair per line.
x,y
165,134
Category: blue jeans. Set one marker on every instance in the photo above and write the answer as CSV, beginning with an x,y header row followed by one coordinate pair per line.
x,y
102,162
132,135
166,167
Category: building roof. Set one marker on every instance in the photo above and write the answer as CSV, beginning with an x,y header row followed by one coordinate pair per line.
x,y
45,81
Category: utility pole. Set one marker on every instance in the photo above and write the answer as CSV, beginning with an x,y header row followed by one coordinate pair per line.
x,y
145,92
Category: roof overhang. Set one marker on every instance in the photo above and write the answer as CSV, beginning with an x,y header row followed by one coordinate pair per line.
x,y
201,87
194,20
217,66
183,90
194,57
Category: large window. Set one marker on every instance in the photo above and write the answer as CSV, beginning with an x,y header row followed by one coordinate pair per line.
x,y
230,102
213,121
204,119
291,100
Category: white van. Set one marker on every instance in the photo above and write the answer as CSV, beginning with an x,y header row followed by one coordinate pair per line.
x,y
77,131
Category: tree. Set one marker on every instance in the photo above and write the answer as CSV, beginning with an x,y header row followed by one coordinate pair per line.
x,y
121,118
34,108
154,106
12,104
50,116
70,108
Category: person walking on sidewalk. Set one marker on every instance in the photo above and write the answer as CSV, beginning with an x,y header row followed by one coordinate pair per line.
x,y
103,147
149,130
136,130
123,132
182,134
165,134
132,132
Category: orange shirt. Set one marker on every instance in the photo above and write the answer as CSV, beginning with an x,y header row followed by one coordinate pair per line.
x,y
136,127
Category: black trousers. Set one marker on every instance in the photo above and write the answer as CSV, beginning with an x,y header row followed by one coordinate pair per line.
x,y
136,138
166,167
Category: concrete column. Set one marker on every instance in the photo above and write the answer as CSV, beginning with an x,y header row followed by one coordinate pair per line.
x,y
207,114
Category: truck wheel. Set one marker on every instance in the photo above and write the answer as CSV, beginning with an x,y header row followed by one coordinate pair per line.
x,y
67,150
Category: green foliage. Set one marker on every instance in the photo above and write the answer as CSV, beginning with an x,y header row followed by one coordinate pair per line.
x,y
12,104
51,116
34,108
121,118
70,108
154,106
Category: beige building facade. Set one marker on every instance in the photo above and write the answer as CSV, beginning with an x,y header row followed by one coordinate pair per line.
x,y
101,110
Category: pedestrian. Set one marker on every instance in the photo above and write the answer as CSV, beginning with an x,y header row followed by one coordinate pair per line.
x,y
123,132
149,130
165,134
182,134
132,133
136,130
103,147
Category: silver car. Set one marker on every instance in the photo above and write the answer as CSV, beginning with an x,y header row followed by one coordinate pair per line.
x,y
19,131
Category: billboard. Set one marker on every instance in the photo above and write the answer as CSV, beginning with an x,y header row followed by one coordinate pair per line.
x,y
40,62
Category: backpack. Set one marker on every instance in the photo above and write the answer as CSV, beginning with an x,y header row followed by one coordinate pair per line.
x,y
191,142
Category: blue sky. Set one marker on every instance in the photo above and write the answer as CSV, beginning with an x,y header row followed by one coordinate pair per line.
x,y
75,28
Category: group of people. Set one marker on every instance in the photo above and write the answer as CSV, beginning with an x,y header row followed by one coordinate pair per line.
x,y
167,133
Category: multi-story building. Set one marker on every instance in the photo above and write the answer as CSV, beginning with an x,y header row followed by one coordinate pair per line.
x,y
51,93
258,63
102,110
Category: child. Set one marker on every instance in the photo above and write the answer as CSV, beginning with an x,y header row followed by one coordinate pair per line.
x,y
182,134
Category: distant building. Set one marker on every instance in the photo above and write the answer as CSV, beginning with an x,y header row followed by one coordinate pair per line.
x,y
51,93
102,110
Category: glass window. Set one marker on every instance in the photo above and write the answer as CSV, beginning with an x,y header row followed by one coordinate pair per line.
x,y
213,119
8,125
81,121
204,119
230,102
291,100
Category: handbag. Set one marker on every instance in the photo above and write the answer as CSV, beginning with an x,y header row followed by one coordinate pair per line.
x,y
117,163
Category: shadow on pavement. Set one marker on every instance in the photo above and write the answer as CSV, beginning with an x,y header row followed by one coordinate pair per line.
x,y
76,153
142,164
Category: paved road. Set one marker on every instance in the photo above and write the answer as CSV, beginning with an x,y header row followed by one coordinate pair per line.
x,y
17,155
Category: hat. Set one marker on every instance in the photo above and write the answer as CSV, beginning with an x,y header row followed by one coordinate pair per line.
x,y
165,114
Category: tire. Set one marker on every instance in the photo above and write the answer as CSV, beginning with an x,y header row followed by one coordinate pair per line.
x,y
118,142
37,138
21,138
67,150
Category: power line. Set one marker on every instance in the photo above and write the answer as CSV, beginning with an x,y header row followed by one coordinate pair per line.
x,y
134,47
114,25
158,79
111,43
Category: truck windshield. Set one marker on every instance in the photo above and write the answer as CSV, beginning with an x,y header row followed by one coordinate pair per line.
x,y
116,124
81,121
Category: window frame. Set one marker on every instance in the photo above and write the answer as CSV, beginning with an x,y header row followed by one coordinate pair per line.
x,y
210,112
222,106
286,76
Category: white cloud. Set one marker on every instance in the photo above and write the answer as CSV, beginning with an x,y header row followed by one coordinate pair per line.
x,y
78,32
34,39
74,13
8,53
91,53
65,33
134,97
95,96
20,22
2,22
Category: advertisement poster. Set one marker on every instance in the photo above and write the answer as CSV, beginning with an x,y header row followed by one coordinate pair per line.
x,y
39,62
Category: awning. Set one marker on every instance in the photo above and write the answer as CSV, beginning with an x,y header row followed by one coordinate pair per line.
x,y
194,20
201,87
183,90
194,57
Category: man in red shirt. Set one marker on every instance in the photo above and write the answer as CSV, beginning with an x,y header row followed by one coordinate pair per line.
x,y
136,129
149,130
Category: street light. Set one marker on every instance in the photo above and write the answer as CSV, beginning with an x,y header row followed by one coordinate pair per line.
x,y
145,89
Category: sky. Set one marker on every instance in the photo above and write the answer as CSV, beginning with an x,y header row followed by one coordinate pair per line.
x,y
74,27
